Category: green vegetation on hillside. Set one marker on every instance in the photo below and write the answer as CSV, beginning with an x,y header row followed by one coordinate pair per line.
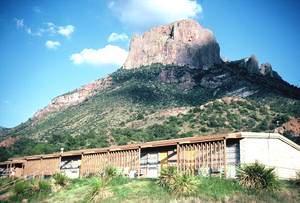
x,y
133,110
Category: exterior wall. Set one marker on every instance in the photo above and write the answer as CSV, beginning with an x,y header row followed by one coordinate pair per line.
x,y
50,166
70,166
154,159
125,160
150,164
18,172
202,158
272,152
232,157
93,163
11,170
32,167
41,167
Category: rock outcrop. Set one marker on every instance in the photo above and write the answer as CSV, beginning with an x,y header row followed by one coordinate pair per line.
x,y
251,64
181,43
266,70
73,98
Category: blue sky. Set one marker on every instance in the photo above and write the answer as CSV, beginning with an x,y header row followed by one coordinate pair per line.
x,y
49,47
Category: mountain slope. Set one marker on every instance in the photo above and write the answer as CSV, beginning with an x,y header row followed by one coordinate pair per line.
x,y
161,102
186,90
3,131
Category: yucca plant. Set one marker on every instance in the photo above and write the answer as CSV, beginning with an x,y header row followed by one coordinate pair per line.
x,y
257,176
177,183
184,185
167,176
110,172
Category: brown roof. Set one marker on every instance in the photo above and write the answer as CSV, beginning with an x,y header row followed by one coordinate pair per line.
x,y
152,144
13,161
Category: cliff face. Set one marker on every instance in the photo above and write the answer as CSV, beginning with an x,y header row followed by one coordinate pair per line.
x,y
73,98
181,43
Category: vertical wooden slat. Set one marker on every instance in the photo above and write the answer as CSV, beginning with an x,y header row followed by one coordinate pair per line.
x,y
225,158
177,157
183,158
206,154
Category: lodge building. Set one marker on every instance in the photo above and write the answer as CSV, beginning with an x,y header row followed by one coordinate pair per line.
x,y
205,155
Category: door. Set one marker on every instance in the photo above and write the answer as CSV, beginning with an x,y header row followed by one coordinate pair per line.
x,y
152,165
163,159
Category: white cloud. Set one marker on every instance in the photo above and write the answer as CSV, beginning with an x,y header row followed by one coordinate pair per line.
x,y
19,22
22,26
65,30
113,37
147,13
48,28
52,44
110,54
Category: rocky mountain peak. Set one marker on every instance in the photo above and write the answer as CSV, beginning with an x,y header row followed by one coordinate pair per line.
x,y
181,43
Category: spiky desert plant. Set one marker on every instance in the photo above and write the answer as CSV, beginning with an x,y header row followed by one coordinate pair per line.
x,y
110,172
177,183
184,185
100,187
257,176
167,176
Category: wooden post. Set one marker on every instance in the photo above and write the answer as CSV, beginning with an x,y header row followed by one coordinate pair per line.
x,y
81,164
23,166
207,151
178,156
183,158
40,167
225,158
198,154
59,163
210,153
108,157
139,161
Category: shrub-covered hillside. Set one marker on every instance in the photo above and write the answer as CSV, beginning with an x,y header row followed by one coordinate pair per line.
x,y
159,102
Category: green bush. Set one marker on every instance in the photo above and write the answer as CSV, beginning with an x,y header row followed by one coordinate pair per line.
x,y
60,179
31,188
23,189
257,177
44,186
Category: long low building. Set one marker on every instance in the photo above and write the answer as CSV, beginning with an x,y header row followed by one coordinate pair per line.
x,y
213,154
